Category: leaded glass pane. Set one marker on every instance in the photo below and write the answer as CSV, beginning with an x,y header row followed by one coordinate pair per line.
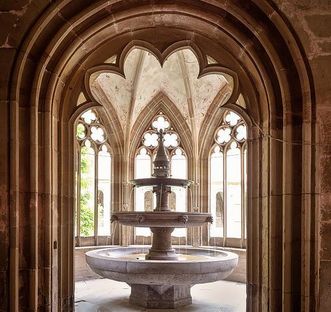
x,y
89,116
227,185
143,200
241,133
87,192
179,170
104,191
171,140
223,136
93,178
150,139
160,123
233,191
81,131
216,193
232,118
98,134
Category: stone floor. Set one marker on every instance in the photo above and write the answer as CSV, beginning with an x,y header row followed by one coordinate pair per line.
x,y
103,295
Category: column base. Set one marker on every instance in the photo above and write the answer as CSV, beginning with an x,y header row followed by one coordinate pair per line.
x,y
160,296
169,254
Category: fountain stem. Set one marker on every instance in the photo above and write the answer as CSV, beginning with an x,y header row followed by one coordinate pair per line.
x,y
161,171
161,247
162,220
162,192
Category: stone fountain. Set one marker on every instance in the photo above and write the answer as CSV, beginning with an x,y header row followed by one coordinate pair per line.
x,y
160,277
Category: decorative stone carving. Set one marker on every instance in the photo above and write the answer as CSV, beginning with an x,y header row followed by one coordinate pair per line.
x,y
113,218
183,219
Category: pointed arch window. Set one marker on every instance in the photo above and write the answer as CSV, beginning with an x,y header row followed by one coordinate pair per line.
x,y
227,180
144,198
93,180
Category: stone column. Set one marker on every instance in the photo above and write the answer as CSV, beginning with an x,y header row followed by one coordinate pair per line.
x,y
161,246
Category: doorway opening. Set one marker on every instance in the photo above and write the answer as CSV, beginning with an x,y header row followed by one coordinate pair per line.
x,y
205,141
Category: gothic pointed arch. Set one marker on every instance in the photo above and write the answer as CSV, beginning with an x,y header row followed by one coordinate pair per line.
x,y
252,38
206,135
161,103
143,168
114,133
112,116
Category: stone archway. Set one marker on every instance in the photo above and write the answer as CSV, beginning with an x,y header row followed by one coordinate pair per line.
x,y
250,38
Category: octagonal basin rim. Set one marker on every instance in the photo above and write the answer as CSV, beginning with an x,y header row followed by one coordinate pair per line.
x,y
213,256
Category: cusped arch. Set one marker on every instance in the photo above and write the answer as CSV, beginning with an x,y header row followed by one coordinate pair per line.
x,y
206,135
161,103
116,145
205,69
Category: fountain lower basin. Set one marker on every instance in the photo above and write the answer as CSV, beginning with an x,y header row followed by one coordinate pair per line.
x,y
162,283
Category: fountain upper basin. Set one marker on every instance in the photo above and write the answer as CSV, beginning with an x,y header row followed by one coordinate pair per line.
x,y
196,265
162,218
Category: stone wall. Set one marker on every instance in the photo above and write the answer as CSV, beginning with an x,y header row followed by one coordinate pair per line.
x,y
311,20
27,30
82,270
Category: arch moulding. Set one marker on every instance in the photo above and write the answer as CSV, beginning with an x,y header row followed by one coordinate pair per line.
x,y
275,83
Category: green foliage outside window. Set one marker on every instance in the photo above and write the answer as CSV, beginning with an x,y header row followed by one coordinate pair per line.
x,y
86,210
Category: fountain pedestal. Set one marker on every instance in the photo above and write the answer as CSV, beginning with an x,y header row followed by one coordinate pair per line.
x,y
160,296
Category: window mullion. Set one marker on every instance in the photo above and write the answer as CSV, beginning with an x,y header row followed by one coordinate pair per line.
x,y
96,178
225,201
243,220
111,185
78,201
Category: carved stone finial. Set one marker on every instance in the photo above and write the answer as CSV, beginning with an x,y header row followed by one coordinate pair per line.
x,y
161,162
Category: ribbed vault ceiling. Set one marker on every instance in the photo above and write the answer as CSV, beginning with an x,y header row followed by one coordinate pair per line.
x,y
145,79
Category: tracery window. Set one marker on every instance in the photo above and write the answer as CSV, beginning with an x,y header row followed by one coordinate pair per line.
x,y
93,179
144,198
227,179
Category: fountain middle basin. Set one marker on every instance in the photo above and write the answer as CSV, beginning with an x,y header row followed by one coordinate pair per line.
x,y
162,283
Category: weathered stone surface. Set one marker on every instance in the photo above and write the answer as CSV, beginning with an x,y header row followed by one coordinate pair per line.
x,y
160,296
325,286
4,303
4,207
325,168
320,24
7,19
307,20
325,200
324,121
12,6
325,241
